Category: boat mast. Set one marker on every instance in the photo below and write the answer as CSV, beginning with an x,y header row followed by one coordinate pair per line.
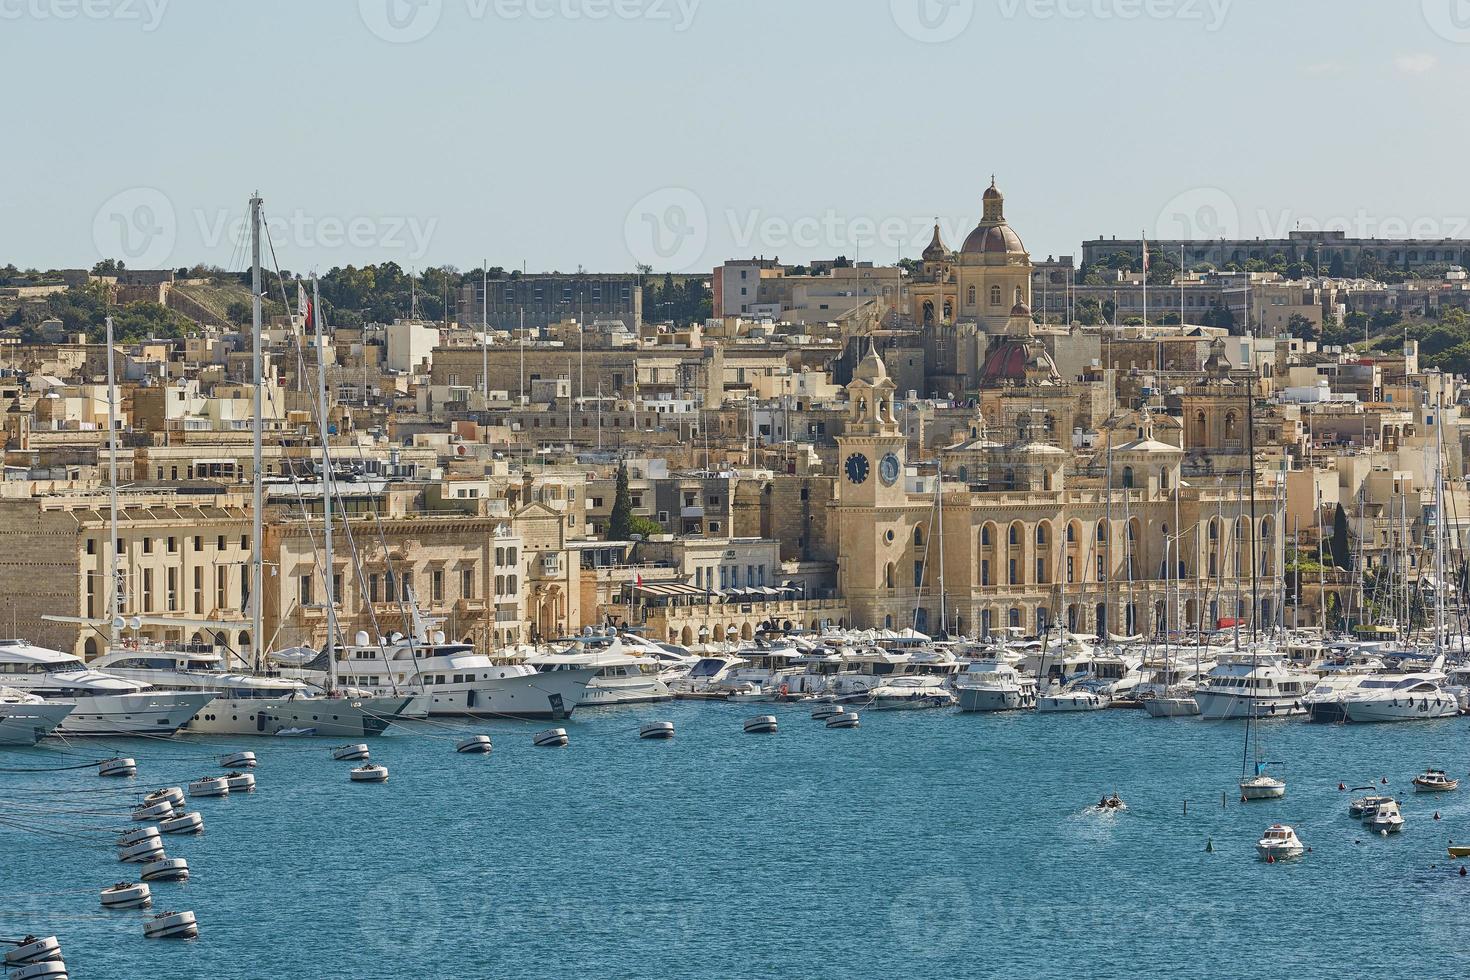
x,y
1439,583
1250,451
328,572
114,572
257,494
939,504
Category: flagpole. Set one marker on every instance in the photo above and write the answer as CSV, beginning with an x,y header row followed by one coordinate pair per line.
x,y
1145,283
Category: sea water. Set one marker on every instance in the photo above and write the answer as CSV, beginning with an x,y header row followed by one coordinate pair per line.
x,y
925,843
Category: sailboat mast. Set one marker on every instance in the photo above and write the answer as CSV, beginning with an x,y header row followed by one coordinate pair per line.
x,y
1439,583
1250,452
257,492
939,503
114,572
328,570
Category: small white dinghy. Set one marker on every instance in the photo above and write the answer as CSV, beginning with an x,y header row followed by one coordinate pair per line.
x,y
474,745
351,753
161,810
1278,843
371,772
240,782
183,823
238,760
49,970
127,895
847,719
552,738
210,786
824,711
173,794
118,767
165,869
761,725
33,950
171,925
656,730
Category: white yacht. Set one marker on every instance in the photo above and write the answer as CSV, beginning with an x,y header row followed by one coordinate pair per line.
x,y
1245,685
706,675
251,704
994,685
452,679
911,692
1058,700
619,678
25,719
1402,697
102,703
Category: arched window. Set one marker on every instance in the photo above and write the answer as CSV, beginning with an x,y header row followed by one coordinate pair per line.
x,y
1214,530
970,296
1041,534
1127,476
948,309
1015,535
985,535
1102,530
994,295
1230,432
888,576
1199,428
1071,533
918,537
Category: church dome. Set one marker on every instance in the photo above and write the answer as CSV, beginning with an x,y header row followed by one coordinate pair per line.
x,y
992,236
871,368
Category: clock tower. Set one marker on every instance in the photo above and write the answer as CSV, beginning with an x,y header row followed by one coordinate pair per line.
x,y
872,503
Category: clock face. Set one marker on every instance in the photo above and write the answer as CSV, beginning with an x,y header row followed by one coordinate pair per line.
x,y
888,469
857,468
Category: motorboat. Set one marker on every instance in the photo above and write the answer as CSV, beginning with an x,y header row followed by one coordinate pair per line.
x,y
1111,804
1279,842
706,676
1180,704
911,692
994,685
1411,697
1385,818
103,703
250,703
25,719
1070,699
619,678
369,772
1435,781
1252,685
1364,805
449,679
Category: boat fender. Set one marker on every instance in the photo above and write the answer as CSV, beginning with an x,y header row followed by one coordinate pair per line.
x,y
1436,814
1341,787
1270,859
1462,871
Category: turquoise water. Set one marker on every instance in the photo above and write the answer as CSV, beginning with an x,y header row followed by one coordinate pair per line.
x,y
923,843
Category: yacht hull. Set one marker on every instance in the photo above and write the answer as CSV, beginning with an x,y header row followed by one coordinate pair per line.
x,y
27,724
144,713
1162,707
548,695
606,691
1401,709
990,699
327,717
1217,706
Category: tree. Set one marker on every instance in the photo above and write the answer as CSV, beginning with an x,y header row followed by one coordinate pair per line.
x,y
1341,551
239,313
1302,327
620,523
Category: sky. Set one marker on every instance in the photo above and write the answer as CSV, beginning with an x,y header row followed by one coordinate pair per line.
x,y
607,134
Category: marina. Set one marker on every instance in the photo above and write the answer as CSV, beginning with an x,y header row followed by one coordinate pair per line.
x,y
537,902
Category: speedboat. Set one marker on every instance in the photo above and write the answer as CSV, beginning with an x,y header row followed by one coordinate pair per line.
x,y
1385,818
1279,842
1434,781
25,719
248,703
911,692
1251,685
1074,699
1364,805
994,685
102,703
1411,697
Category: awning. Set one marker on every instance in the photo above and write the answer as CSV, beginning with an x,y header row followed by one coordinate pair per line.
x,y
668,589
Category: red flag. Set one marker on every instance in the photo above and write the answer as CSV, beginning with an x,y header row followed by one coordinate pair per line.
x,y
303,306
639,581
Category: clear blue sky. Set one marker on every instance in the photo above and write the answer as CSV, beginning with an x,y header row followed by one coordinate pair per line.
x,y
600,133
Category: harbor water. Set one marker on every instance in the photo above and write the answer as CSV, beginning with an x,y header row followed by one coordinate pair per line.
x,y
924,843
